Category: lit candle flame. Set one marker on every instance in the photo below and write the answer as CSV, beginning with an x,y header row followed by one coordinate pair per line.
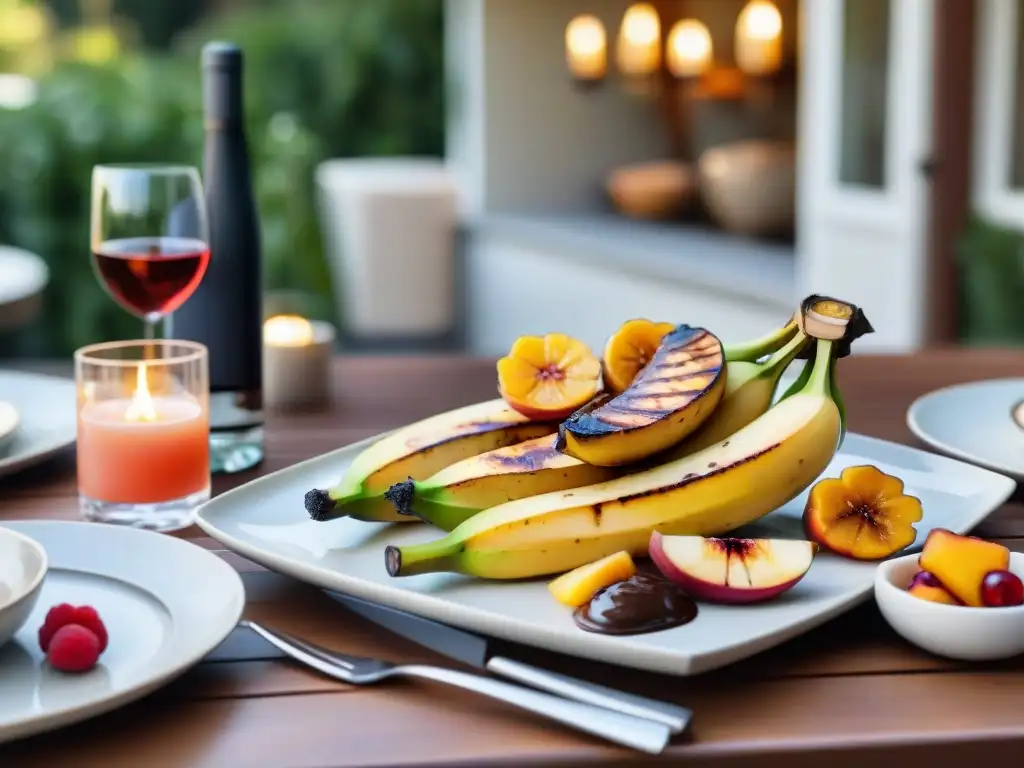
x,y
639,44
586,47
141,407
288,331
689,50
758,44
761,20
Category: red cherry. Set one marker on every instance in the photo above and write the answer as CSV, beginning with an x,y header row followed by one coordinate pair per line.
x,y
1000,589
925,579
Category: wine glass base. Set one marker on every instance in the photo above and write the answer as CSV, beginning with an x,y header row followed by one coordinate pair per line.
x,y
236,450
163,517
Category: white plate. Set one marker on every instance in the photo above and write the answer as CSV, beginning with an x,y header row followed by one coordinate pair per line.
x,y
166,604
9,423
972,422
23,567
265,521
46,408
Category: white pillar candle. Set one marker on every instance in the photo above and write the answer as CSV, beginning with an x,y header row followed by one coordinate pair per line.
x,y
758,42
639,43
586,48
297,357
689,50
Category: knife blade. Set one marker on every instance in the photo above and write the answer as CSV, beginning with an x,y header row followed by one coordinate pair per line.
x,y
474,650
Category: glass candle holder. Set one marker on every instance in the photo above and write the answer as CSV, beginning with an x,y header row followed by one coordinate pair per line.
x,y
143,432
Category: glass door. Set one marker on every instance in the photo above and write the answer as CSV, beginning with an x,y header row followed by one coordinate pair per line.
x,y
865,133
999,137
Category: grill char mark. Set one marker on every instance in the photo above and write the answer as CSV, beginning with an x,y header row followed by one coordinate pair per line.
x,y
693,347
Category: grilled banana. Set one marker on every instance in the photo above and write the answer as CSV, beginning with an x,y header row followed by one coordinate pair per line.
x,y
749,390
462,490
536,466
418,451
709,493
671,397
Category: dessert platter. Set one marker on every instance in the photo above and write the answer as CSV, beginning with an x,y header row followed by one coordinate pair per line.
x,y
668,505
96,616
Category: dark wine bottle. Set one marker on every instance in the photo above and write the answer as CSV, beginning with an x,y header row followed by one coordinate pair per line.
x,y
225,313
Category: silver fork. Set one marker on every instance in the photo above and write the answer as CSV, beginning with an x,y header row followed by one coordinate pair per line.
x,y
638,733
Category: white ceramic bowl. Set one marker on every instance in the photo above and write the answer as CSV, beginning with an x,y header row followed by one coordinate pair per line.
x,y
23,566
749,187
953,631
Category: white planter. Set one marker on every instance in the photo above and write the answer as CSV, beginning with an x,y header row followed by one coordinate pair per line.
x,y
389,228
23,277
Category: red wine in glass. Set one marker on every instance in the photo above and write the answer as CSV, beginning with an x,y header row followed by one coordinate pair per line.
x,y
151,276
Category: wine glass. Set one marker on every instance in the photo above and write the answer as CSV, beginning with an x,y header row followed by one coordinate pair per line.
x,y
149,240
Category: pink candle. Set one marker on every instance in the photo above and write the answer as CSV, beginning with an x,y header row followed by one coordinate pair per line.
x,y
143,432
144,449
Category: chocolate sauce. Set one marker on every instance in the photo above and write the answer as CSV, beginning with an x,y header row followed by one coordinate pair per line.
x,y
645,602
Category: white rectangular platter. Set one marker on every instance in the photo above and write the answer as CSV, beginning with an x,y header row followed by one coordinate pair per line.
x,y
265,521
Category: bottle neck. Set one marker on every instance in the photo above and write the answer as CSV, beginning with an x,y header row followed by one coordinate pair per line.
x,y
222,96
213,125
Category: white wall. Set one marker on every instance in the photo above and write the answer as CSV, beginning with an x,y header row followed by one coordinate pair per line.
x,y
514,290
522,136
525,139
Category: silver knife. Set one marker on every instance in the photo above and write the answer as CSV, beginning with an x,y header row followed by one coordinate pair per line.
x,y
473,650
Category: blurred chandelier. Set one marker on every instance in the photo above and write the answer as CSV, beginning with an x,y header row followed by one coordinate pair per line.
x,y
686,54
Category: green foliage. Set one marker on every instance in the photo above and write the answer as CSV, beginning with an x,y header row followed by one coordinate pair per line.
x,y
84,116
991,267
367,78
324,78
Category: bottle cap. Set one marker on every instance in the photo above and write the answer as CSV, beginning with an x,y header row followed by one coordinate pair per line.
x,y
221,54
222,85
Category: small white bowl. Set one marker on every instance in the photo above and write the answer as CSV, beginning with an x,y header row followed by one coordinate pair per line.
x,y
953,631
23,566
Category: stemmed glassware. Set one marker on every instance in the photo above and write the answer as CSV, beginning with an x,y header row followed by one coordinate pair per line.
x,y
149,239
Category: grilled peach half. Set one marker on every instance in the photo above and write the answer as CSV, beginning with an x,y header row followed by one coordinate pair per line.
x,y
863,514
629,350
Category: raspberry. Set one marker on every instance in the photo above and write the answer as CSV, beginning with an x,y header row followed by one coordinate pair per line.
x,y
73,648
63,614
57,617
87,617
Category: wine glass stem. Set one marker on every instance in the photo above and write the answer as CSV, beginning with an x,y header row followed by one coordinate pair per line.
x,y
149,329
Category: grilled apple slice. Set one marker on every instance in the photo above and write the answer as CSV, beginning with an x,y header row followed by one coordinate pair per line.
x,y
673,395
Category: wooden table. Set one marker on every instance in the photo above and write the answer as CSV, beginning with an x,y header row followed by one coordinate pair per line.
x,y
849,694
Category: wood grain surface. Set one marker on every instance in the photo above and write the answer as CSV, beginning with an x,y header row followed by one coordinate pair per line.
x,y
851,693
